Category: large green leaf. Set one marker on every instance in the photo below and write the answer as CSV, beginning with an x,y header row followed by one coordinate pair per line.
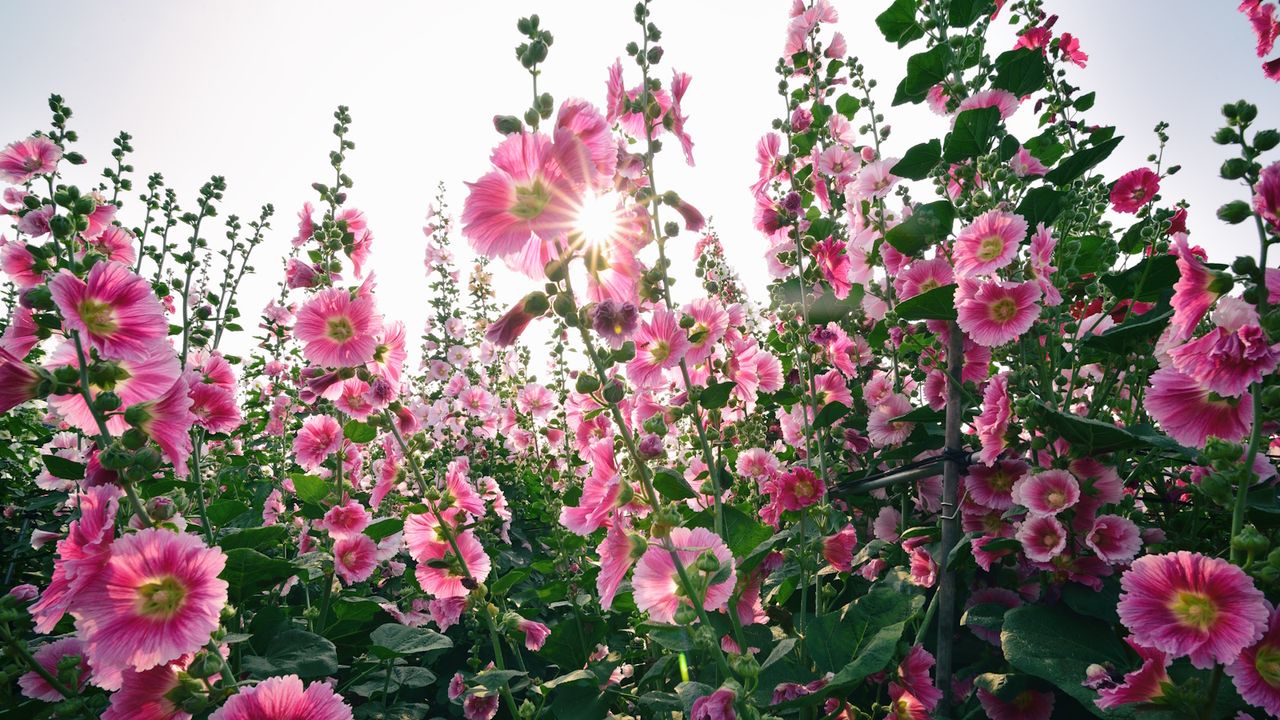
x,y
392,679
1145,282
919,161
971,135
672,485
1021,71
63,469
295,652
1086,435
963,13
716,395
898,22
927,225
924,70
253,537
936,304
1074,167
249,572
1135,333
396,640
1041,204
358,432
1057,645
309,488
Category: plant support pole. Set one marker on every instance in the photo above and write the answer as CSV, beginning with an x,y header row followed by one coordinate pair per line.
x,y
950,514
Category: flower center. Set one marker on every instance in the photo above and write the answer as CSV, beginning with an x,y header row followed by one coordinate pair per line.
x,y
1267,662
1050,539
1056,498
990,248
804,489
660,351
340,329
161,598
98,317
1194,610
1003,310
1001,482
530,200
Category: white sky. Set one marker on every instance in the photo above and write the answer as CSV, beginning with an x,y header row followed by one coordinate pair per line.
x,y
246,88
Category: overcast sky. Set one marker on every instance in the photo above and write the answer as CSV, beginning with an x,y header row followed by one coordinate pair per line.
x,y
246,88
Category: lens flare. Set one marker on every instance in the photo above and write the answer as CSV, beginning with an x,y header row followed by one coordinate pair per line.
x,y
598,220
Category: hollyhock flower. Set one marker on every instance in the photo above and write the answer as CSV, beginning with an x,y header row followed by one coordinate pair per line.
x,y
992,425
716,706
913,676
660,344
831,260
655,582
1114,539
886,525
19,264
992,486
283,698
337,330
1035,38
114,310
617,554
143,695
1256,672
1228,362
81,556
1195,291
480,706
924,570
922,276
989,243
874,180
1043,244
21,334
1069,46
36,222
1047,493
1002,100
994,312
1043,538
168,422
18,382
882,429
1027,705
49,656
1024,164
586,124
24,159
1266,200
614,321
535,633
446,612
450,581
159,597
799,488
504,331
1141,685
1192,413
1189,604
354,558
133,381
346,520
838,549
215,409
679,85
1134,189
113,242
526,201
318,438
710,323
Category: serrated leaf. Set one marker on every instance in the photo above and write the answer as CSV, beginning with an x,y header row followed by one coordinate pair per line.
x,y
63,469
672,485
309,488
898,23
1021,71
829,413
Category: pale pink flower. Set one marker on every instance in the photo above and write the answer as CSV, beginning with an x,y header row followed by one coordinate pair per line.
x,y
1002,100
283,698
617,555
114,310
535,633
168,421
49,656
660,344
24,159
1047,493
1227,362
882,429
716,706
922,276
887,523
354,558
143,695
1024,164
994,312
19,264
989,243
81,556
338,330
656,582
451,580
992,486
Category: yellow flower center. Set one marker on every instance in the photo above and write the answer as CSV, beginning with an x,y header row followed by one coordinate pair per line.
x,y
1194,610
1003,310
98,317
1267,662
530,201
660,351
340,329
990,248
161,598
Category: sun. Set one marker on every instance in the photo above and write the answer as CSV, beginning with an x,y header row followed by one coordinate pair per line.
x,y
598,220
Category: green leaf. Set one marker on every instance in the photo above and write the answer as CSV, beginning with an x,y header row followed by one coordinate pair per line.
x,y
221,512
1085,101
1045,147
503,585
936,304
1135,333
1147,281
1021,71
1087,436
391,680
898,23
963,13
294,652
496,679
309,488
830,413
848,105
716,395
384,528
1057,645
971,135
985,615
249,572
253,537
929,224
63,469
1041,204
672,485
919,161
1099,604
1091,256
924,70
395,640
358,432
1074,167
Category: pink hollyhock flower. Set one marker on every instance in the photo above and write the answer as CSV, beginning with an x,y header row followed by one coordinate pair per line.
x,y
834,265
536,400
1047,493
36,222
446,612
338,331
1256,672
874,180
716,706
1035,38
937,99
480,706
989,243
1141,685
614,321
992,486
19,264
1189,604
1027,705
159,597
18,382
1192,413
143,695
1228,362
319,437
527,200
1043,538
114,243
215,408
588,126
660,344
1043,243
886,525
1195,291
656,584
1069,46
81,556
1266,200
617,554
679,85
831,387
993,312
451,581
992,425
710,323
298,274
1024,164
283,698
49,656
905,706
346,520
838,549
913,676
168,422
306,226
113,309
882,429
1002,100
24,159
535,633
133,381
924,570
21,334
1114,539
799,489
1134,189
354,558
922,276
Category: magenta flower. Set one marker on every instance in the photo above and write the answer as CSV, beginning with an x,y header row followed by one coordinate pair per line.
x,y
19,264
157,598
1026,705
23,160
354,558
1266,200
989,243
1256,672
346,520
838,549
992,486
49,655
913,676
81,556
1134,189
617,555
993,312
660,344
922,276
18,382
338,331
283,698
143,695
710,323
535,633
1141,685
1114,539
1227,362
114,310
319,437
716,706
1195,291
1189,604
1043,243
992,425
1047,493
799,489
924,569
168,422
1043,538
1192,413
656,582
